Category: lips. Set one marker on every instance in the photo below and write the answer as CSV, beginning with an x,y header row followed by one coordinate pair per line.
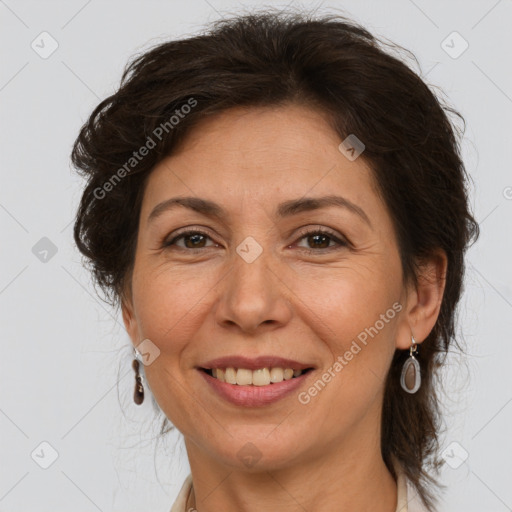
x,y
259,393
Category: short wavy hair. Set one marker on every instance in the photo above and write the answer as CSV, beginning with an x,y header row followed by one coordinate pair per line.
x,y
336,66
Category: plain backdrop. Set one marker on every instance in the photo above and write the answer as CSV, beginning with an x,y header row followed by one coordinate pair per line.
x,y
65,378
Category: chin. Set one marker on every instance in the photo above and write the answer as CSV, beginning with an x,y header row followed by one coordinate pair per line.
x,y
259,453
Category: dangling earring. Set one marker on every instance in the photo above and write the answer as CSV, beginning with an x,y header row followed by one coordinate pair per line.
x,y
138,394
410,379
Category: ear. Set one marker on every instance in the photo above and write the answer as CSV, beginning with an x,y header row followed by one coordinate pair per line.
x,y
130,322
423,301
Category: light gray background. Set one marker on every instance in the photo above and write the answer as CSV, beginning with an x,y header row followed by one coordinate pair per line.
x,y
65,354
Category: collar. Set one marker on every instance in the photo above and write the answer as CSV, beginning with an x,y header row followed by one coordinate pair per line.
x,y
408,499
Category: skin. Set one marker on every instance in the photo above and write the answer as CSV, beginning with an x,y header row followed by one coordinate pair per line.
x,y
196,306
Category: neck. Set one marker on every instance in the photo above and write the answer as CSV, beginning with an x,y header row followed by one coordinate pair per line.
x,y
339,479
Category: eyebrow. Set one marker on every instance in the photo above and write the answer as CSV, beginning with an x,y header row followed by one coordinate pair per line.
x,y
286,209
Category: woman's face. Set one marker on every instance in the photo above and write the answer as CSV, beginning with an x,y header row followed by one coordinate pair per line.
x,y
255,284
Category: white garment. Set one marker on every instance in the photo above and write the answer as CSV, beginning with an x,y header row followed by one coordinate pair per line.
x,y
408,499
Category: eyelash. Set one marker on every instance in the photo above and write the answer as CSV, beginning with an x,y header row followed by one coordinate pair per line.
x,y
317,231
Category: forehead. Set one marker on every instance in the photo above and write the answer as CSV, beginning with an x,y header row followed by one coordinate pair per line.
x,y
270,154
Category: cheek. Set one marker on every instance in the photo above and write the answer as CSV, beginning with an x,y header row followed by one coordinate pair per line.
x,y
346,301
354,311
357,323
169,305
167,302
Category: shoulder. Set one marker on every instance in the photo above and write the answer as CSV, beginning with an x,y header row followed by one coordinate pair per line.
x,y
408,499
181,500
414,502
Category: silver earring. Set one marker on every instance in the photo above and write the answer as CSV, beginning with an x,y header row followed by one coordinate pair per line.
x,y
410,379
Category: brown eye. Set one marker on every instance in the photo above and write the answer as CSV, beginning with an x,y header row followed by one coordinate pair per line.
x,y
191,240
321,239
196,240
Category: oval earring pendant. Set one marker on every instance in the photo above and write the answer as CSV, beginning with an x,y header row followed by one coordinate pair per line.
x,y
410,379
138,395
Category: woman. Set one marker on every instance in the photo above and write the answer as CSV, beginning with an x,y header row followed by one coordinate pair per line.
x,y
279,207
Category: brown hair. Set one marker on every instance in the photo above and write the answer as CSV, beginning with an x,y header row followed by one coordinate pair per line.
x,y
337,67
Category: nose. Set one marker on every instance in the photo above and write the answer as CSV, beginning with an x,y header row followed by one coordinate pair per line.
x,y
253,296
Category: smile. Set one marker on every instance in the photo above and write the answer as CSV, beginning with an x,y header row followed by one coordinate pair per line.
x,y
261,392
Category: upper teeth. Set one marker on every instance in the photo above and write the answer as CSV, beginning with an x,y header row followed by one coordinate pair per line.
x,y
259,377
